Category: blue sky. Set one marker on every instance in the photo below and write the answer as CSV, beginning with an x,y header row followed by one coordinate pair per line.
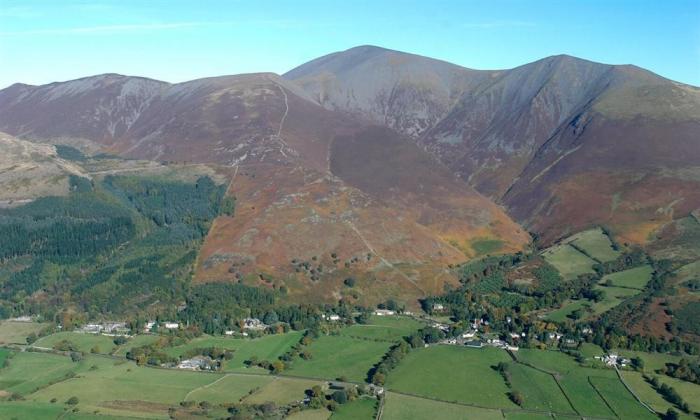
x,y
45,41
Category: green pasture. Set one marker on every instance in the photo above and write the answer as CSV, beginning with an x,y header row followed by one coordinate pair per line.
x,y
634,278
390,328
334,356
404,407
449,373
568,261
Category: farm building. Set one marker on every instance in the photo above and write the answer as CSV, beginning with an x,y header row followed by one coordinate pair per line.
x,y
253,324
195,363
149,325
469,334
384,312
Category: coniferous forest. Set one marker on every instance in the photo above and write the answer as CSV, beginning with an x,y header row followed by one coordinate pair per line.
x,y
112,246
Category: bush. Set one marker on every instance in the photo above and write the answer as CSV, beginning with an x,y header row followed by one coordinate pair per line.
x,y
72,401
517,398
671,414
341,397
120,340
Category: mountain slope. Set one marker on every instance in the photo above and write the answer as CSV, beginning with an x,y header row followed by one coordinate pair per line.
x,y
309,181
563,143
29,170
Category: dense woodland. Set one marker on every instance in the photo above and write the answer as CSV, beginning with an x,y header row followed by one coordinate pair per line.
x,y
110,247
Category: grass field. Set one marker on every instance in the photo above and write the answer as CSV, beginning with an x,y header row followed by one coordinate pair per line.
x,y
228,389
320,414
268,347
29,371
4,354
391,328
576,385
136,341
23,410
688,390
619,399
450,373
613,297
573,379
336,356
515,415
550,361
595,243
121,388
540,391
404,407
688,272
282,391
647,393
360,409
83,342
12,332
568,261
590,350
569,306
634,278
652,361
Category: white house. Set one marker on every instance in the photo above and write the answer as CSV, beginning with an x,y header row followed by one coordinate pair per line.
x,y
383,312
555,336
112,327
441,327
253,324
333,317
171,325
469,334
194,363
228,332
92,328
438,307
149,325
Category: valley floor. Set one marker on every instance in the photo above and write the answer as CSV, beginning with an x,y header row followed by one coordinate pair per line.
x,y
438,381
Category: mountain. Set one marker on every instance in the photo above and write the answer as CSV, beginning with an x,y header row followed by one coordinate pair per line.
x,y
358,199
563,143
400,156
408,93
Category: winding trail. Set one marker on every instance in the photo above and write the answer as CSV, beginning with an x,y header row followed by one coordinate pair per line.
x,y
205,386
278,136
